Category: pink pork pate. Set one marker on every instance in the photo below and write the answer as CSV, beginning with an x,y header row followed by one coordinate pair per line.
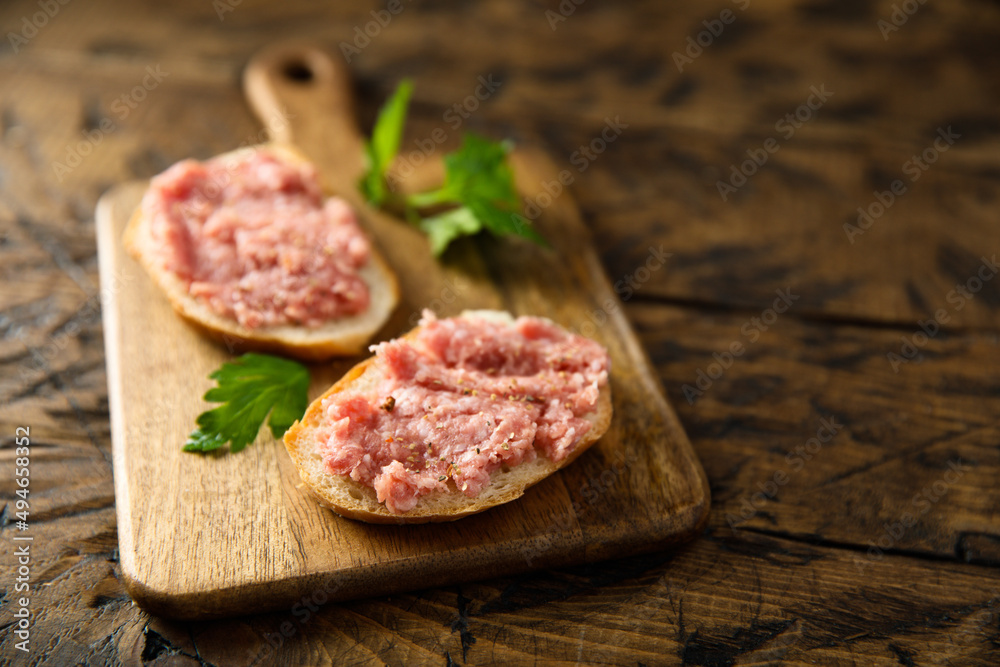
x,y
252,237
461,399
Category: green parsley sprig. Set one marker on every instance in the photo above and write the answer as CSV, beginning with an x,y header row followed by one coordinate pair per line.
x,y
384,144
478,191
249,388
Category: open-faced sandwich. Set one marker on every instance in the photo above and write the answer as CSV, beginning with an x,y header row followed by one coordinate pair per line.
x,y
457,416
248,249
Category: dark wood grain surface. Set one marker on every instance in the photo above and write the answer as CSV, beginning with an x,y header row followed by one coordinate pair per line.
x,y
855,499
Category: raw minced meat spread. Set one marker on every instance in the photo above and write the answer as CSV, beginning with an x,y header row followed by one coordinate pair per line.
x,y
252,237
459,400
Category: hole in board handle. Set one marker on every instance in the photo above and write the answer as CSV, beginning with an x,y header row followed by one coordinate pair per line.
x,y
297,71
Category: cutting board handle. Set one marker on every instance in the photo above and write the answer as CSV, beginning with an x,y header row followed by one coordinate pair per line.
x,y
303,96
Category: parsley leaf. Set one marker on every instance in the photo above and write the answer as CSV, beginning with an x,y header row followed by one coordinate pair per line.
x,y
384,144
478,169
478,191
504,223
444,228
249,388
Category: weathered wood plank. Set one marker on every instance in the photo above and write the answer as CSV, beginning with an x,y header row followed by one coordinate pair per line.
x,y
812,432
656,184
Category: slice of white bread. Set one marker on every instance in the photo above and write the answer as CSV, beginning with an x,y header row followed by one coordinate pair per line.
x,y
343,336
354,500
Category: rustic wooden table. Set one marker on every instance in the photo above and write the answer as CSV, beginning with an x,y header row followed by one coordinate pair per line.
x,y
826,178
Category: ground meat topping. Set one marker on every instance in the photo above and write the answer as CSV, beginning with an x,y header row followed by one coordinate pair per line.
x,y
252,237
467,396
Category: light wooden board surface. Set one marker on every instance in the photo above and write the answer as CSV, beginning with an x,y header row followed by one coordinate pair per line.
x,y
205,536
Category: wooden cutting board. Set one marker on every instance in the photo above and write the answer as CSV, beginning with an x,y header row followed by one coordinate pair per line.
x,y
209,536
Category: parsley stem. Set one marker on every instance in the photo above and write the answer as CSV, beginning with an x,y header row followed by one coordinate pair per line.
x,y
432,198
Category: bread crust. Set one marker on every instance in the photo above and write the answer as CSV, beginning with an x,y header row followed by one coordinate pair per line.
x,y
342,337
354,500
